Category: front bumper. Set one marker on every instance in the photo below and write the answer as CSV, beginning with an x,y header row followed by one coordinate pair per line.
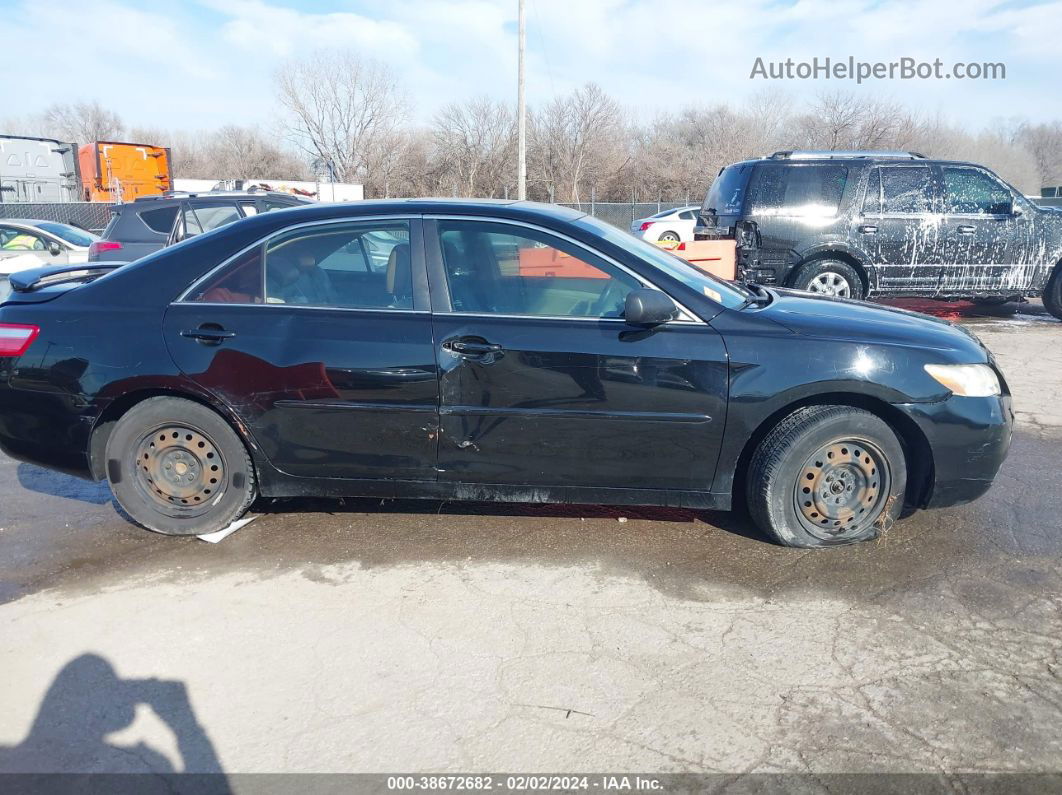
x,y
969,439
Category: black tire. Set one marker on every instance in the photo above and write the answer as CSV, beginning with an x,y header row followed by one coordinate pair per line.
x,y
792,482
811,277
1053,293
178,468
670,237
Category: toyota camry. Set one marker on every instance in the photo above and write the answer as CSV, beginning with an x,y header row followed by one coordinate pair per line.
x,y
485,350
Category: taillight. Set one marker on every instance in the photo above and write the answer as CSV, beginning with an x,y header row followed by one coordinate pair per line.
x,y
645,226
97,248
15,338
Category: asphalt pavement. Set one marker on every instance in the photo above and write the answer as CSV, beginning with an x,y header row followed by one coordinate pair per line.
x,y
341,636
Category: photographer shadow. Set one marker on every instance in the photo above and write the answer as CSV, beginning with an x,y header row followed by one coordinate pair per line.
x,y
86,702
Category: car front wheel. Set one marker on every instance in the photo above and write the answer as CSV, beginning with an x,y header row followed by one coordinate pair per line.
x,y
827,475
828,277
178,468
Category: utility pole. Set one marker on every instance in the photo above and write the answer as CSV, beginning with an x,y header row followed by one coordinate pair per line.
x,y
521,111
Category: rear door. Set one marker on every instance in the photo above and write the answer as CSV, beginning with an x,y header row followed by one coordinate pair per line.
x,y
327,359
901,228
542,383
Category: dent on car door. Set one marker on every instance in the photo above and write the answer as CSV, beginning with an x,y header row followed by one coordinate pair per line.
x,y
900,228
542,383
329,361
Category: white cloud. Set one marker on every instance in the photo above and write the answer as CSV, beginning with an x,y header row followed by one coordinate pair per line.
x,y
211,62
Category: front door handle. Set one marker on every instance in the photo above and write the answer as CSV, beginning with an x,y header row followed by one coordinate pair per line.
x,y
208,334
472,348
868,229
966,229
480,350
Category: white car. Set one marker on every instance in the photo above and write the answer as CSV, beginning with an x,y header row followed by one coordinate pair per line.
x,y
32,244
668,226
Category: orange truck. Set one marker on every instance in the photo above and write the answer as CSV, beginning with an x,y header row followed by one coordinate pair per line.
x,y
113,171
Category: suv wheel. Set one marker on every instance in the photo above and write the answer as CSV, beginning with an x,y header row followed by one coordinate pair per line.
x,y
1053,293
828,277
827,475
177,468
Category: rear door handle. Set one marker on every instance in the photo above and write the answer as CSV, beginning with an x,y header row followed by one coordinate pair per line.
x,y
868,229
965,229
208,335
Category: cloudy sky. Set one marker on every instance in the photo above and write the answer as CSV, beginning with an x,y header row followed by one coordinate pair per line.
x,y
199,63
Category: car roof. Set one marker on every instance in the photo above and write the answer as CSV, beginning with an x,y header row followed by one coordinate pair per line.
x,y
863,159
434,206
36,223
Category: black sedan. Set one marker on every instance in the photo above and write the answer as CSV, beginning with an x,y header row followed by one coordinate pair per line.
x,y
486,351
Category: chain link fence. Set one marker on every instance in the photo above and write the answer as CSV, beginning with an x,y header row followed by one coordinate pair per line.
x,y
623,214
92,216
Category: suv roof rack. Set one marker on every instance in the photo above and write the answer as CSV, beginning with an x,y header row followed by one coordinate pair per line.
x,y
811,154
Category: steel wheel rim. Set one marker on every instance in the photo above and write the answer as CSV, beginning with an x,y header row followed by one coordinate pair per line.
x,y
842,489
180,469
830,283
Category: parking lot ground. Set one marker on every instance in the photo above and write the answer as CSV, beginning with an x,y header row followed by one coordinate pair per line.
x,y
348,636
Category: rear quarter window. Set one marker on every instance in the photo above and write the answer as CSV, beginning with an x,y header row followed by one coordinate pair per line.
x,y
160,219
785,189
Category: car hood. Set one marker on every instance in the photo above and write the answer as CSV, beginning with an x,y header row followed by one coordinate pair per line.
x,y
824,317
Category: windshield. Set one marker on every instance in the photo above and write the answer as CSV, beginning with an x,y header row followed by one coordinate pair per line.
x,y
729,295
78,237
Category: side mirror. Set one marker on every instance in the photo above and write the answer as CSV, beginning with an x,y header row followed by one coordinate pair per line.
x,y
649,308
54,249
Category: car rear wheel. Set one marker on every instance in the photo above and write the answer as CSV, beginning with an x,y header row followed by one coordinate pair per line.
x,y
669,237
178,468
828,277
827,475
1053,293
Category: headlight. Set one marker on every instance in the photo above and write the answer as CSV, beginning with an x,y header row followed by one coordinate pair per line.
x,y
966,380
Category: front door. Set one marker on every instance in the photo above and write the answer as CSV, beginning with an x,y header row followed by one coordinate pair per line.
x,y
542,383
322,347
984,236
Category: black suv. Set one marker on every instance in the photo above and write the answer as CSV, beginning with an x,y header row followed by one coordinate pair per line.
x,y
150,223
856,224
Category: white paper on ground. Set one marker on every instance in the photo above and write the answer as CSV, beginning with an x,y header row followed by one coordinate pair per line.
x,y
225,532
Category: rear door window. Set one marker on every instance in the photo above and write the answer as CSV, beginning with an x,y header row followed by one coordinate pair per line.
x,y
206,217
902,190
797,190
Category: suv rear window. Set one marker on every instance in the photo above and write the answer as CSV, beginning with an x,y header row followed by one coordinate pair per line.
x,y
797,190
727,194
160,219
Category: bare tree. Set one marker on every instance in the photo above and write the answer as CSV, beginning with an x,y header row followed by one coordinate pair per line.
x,y
475,144
1044,144
840,120
340,106
576,142
82,122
